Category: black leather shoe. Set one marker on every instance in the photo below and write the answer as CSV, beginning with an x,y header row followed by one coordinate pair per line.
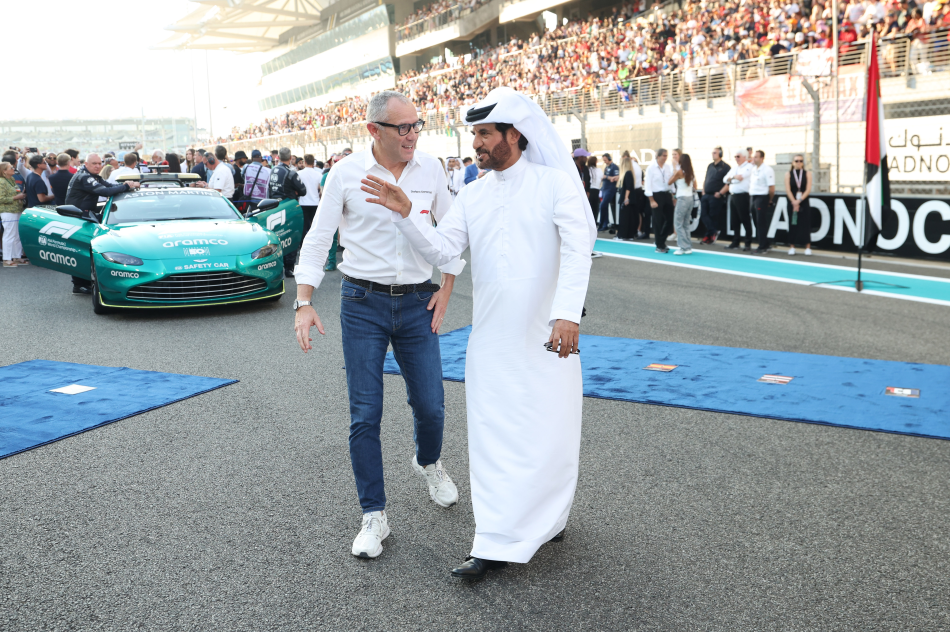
x,y
476,568
81,289
747,249
732,247
288,273
559,537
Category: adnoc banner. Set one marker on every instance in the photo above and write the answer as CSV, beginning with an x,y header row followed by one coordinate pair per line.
x,y
782,100
918,149
914,227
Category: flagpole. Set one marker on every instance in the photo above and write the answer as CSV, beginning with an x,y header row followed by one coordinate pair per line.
x,y
862,228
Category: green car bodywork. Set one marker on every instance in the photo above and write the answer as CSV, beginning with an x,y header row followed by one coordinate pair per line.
x,y
168,263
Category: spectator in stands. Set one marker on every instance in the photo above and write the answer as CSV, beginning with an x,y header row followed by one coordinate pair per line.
x,y
309,202
608,193
798,190
59,181
762,190
37,191
713,201
736,183
471,171
596,180
684,181
656,188
11,205
256,177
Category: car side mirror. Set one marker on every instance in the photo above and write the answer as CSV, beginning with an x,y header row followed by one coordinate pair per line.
x,y
264,205
68,210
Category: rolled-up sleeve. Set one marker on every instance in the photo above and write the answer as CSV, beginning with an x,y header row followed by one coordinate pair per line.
x,y
316,243
443,202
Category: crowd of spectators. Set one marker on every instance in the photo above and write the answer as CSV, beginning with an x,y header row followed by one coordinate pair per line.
x,y
436,15
628,43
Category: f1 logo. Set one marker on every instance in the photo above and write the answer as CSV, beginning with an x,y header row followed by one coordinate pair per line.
x,y
62,229
276,219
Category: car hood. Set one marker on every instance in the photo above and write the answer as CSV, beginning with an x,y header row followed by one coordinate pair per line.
x,y
171,240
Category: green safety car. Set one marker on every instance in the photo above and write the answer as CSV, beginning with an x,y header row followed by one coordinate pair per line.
x,y
166,244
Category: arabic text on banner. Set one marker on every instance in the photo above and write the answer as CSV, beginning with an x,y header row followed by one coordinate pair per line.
x,y
782,101
918,149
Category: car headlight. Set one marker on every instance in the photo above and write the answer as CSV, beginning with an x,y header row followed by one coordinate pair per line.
x,y
264,251
118,257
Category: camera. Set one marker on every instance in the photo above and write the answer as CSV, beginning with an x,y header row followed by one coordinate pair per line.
x,y
32,150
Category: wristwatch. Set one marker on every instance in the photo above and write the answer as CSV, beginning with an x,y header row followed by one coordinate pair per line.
x,y
299,304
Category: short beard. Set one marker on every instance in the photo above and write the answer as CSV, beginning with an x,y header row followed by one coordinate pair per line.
x,y
498,156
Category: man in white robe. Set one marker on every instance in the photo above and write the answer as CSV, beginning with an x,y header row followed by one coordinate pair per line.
x,y
531,234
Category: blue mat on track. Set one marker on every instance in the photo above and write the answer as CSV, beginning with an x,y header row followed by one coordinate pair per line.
x,y
848,392
31,415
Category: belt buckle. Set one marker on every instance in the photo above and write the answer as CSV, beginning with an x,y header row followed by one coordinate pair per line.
x,y
391,293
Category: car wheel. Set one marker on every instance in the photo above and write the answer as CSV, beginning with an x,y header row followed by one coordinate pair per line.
x,y
97,306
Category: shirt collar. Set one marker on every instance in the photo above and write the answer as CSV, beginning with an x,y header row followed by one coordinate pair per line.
x,y
370,159
514,170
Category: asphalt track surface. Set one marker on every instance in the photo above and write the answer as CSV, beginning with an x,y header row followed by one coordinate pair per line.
x,y
235,510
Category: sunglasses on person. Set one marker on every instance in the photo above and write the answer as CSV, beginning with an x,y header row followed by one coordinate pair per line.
x,y
797,160
403,129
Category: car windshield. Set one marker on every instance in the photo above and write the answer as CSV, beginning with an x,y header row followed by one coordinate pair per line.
x,y
158,205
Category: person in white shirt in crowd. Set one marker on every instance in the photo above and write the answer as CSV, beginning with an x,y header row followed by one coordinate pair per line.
x,y
736,183
596,179
387,297
458,177
656,188
762,189
129,167
685,182
222,178
311,179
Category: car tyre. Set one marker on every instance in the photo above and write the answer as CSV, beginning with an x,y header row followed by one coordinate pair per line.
x,y
97,306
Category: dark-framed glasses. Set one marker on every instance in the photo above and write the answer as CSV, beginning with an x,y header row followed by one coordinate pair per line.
x,y
403,129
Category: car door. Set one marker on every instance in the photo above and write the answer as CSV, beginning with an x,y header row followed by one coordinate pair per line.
x,y
287,221
54,241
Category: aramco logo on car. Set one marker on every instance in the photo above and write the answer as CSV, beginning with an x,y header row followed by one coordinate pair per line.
x,y
55,257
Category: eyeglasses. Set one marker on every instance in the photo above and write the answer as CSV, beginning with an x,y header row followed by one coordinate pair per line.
x,y
403,129
797,160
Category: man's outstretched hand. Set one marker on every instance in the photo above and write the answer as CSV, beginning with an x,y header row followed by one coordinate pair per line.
x,y
386,194
564,337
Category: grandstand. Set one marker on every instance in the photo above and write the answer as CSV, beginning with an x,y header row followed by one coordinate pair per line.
x,y
613,76
87,135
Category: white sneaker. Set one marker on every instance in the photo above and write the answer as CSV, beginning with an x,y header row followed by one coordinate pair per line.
x,y
808,251
441,488
369,542
791,251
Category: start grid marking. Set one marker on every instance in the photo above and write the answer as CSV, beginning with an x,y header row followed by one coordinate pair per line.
x,y
920,288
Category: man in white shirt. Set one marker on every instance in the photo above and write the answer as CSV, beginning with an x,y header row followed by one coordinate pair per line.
x,y
736,182
128,168
387,297
222,178
656,188
308,203
762,190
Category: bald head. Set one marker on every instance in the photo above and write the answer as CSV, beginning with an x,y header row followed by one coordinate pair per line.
x,y
93,164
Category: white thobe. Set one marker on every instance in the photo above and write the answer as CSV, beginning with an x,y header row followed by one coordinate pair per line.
x,y
531,244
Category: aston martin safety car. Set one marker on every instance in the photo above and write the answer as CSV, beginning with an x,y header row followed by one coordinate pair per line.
x,y
167,245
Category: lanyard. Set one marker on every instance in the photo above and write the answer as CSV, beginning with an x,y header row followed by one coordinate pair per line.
x,y
798,175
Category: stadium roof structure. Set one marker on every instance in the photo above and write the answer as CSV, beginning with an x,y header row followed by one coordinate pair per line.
x,y
243,25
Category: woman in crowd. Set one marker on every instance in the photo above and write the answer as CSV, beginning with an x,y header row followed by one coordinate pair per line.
x,y
189,160
685,181
106,173
628,215
174,163
580,161
797,190
11,205
596,177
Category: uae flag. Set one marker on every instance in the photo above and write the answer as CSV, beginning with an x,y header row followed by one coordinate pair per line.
x,y
877,187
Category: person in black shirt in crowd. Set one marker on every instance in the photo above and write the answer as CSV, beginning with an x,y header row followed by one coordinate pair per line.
x,y
59,181
85,189
36,190
285,183
712,202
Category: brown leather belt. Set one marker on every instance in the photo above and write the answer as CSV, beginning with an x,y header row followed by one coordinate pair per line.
x,y
393,290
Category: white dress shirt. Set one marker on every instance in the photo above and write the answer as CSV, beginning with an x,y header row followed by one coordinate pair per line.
x,y
761,179
596,177
657,179
123,171
637,176
311,179
222,179
376,249
744,170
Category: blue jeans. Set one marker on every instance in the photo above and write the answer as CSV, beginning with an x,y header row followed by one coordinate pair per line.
x,y
609,203
370,322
